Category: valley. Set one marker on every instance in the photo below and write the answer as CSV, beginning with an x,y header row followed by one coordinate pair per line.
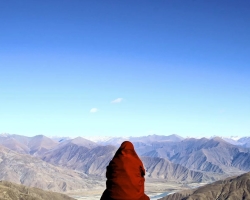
x,y
77,166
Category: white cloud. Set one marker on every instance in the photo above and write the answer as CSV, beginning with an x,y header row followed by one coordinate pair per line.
x,y
93,110
118,100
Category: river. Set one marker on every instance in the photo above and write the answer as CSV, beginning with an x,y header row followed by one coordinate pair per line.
x,y
154,196
158,196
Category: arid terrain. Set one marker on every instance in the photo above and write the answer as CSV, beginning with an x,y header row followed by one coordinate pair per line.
x,y
153,188
77,167
12,191
233,188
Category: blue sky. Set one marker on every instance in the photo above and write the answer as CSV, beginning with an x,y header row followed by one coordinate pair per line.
x,y
171,67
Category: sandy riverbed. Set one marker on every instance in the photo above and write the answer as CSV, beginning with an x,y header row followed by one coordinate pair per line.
x,y
155,189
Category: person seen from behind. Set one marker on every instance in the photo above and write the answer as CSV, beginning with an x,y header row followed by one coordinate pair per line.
x,y
125,175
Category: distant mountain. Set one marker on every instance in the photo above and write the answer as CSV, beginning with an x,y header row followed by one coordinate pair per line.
x,y
87,160
207,156
204,155
164,169
4,134
98,139
28,145
82,142
82,155
22,139
240,141
156,138
231,140
40,144
33,172
14,191
78,142
235,188
14,145
245,141
116,141
94,161
60,139
210,155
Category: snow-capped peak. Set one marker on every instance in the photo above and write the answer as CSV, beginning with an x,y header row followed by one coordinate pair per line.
x,y
5,135
235,138
99,139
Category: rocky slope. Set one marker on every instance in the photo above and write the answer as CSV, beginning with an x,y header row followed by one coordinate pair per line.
x,y
12,191
164,169
90,161
209,155
28,145
172,158
94,161
236,188
245,141
33,172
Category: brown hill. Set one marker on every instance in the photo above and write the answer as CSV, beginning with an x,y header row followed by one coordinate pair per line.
x,y
33,172
40,144
94,161
13,144
28,145
164,169
14,191
236,188
82,142
206,155
90,161
209,155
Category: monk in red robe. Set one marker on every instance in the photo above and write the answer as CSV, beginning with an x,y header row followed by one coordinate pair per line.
x,y
125,175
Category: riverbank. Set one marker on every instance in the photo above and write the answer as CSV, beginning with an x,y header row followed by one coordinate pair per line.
x,y
154,190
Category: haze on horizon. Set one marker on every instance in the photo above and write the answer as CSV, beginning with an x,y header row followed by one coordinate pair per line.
x,y
96,68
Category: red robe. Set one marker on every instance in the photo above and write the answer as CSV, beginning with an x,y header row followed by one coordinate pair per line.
x,y
125,175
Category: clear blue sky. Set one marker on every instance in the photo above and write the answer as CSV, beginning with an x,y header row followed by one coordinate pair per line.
x,y
179,67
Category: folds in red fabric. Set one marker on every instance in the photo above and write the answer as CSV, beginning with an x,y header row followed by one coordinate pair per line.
x,y
125,175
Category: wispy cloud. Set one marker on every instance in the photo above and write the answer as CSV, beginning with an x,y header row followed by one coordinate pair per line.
x,y
93,110
118,100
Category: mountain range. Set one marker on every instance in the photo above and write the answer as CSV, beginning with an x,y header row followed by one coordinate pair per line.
x,y
235,140
75,164
116,141
94,161
210,155
28,145
12,191
34,172
233,188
